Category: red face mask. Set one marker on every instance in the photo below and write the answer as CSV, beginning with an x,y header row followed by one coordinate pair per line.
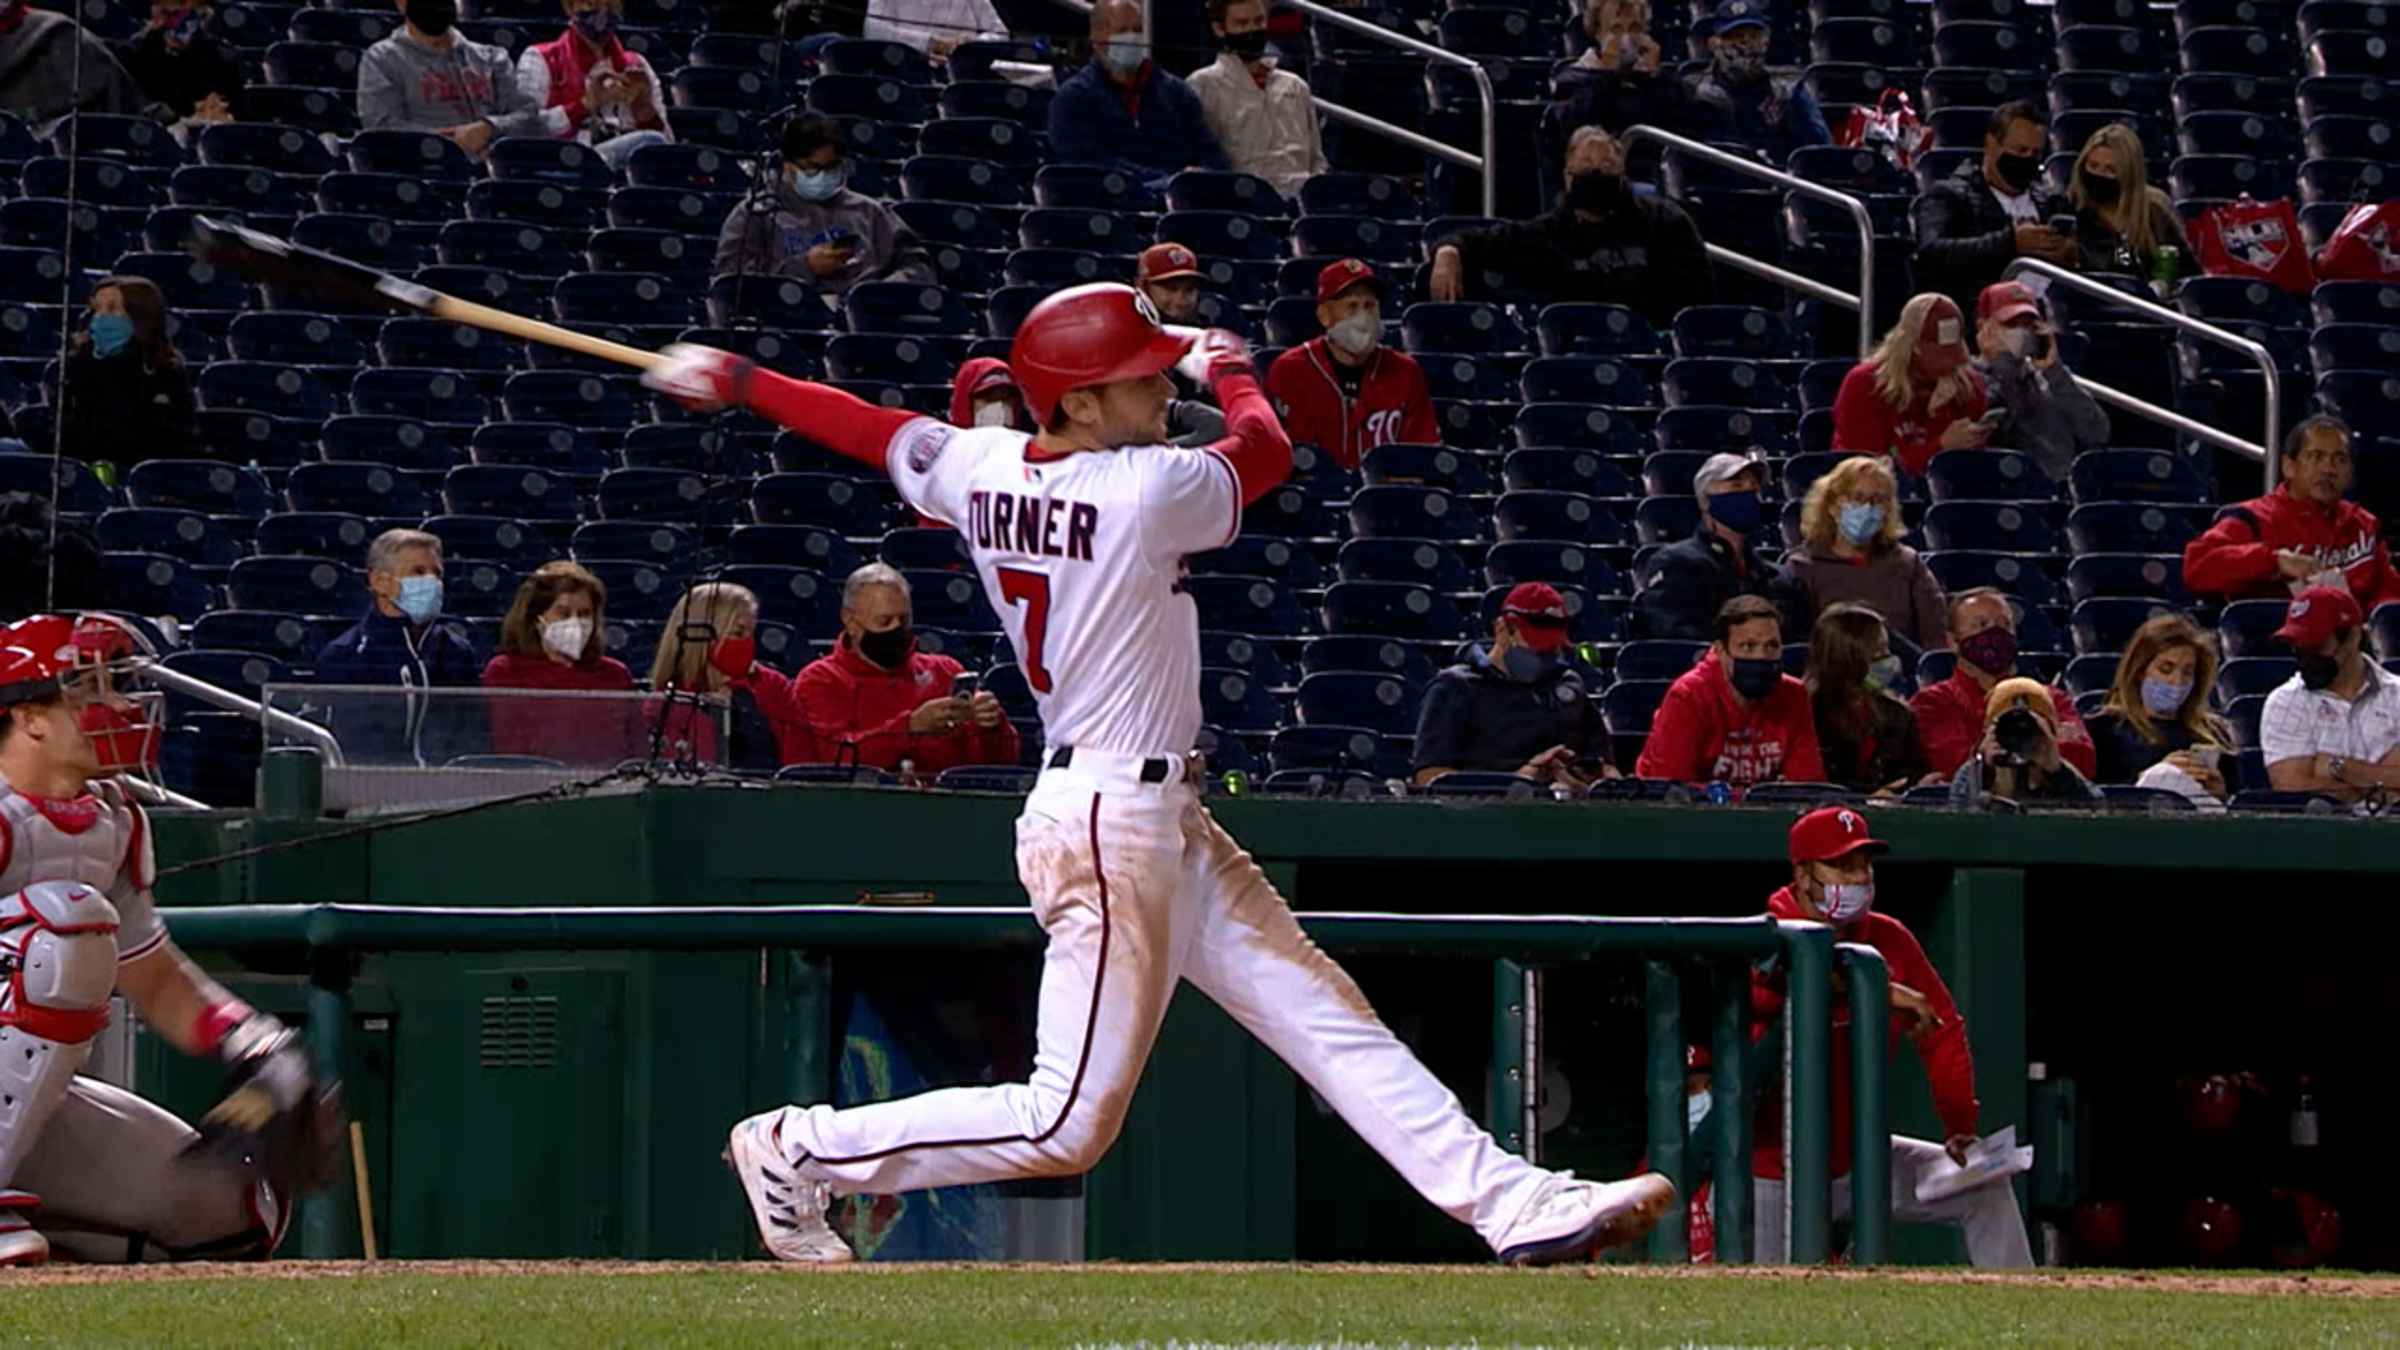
x,y
733,656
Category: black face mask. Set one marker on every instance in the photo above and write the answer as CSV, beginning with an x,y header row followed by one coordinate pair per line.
x,y
1755,677
2318,671
2100,191
1248,46
433,17
1596,192
887,648
2018,171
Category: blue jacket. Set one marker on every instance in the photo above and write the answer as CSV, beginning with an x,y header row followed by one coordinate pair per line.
x,y
1775,113
1166,134
389,729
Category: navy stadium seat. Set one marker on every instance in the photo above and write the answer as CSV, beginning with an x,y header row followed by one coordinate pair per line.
x,y
1256,605
198,485
1562,516
186,535
1376,701
852,506
289,637
361,487
2001,526
154,584
324,534
1396,609
298,584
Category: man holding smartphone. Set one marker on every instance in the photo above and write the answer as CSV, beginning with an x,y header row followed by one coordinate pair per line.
x,y
1515,705
881,702
813,228
2037,406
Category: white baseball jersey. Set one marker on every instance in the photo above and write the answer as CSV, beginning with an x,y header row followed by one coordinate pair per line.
x,y
1082,557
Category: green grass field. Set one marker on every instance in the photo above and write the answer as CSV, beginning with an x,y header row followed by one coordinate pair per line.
x,y
589,1306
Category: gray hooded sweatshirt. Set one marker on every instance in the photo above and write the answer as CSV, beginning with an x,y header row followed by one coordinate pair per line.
x,y
775,242
406,85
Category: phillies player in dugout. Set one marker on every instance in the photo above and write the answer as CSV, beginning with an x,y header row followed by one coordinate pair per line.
x,y
87,1168
1833,882
1078,533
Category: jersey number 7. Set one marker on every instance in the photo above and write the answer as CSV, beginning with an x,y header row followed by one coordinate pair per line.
x,y
1022,586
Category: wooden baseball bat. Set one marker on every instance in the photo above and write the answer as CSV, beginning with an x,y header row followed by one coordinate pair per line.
x,y
282,263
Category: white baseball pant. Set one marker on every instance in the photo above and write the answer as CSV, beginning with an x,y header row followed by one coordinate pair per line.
x,y
1137,886
1988,1215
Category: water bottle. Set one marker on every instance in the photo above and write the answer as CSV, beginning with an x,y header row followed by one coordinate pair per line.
x,y
2304,1114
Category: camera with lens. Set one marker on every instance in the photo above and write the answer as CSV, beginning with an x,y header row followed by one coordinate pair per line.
x,y
2021,735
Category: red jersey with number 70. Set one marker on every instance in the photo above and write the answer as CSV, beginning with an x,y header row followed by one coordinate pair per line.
x,y
1082,556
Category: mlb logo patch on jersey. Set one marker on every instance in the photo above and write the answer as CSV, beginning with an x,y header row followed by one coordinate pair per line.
x,y
922,442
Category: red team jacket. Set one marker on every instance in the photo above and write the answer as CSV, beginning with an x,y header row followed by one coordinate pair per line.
x,y
2235,557
1702,735
1949,1065
1863,422
1393,404
851,702
579,731
1950,725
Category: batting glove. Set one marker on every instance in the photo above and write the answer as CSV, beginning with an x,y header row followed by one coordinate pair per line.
x,y
1215,353
701,379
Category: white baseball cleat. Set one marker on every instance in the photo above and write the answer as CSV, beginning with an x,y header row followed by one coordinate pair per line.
x,y
1569,1220
20,1243
785,1201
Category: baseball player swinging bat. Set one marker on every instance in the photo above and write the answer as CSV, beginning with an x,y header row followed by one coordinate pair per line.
x,y
263,257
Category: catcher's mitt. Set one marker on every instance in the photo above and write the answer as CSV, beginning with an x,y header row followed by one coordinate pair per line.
x,y
275,1117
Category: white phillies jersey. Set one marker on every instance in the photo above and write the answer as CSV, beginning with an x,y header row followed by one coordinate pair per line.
x,y
113,856
1082,557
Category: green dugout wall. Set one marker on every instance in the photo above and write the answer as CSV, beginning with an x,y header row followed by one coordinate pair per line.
x,y
574,1103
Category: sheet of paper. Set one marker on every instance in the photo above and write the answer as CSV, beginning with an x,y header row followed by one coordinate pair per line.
x,y
1995,1157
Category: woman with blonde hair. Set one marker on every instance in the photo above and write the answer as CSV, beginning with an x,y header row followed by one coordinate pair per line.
x,y
1850,550
1915,395
2157,710
707,672
555,640
2121,222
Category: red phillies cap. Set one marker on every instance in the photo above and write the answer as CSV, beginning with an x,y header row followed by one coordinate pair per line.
x,y
2317,614
1341,276
1831,832
1165,262
1540,614
2004,300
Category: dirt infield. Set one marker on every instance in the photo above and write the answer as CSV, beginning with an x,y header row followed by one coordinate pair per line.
x,y
2343,1285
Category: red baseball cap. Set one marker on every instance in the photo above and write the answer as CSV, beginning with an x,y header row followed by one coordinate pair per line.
x,y
2005,300
1165,262
1831,832
1341,276
1540,613
2317,614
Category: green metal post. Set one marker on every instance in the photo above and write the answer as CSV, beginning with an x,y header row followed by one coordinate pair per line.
x,y
1807,1123
1663,999
807,1051
291,783
1504,1094
1729,1113
322,1214
1870,1128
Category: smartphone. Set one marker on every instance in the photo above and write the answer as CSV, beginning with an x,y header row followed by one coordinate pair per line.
x,y
2063,226
2207,754
965,684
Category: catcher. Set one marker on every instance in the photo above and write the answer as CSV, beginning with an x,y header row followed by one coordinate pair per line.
x,y
87,1169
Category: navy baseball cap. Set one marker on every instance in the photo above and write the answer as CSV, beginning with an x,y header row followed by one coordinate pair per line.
x,y
1735,14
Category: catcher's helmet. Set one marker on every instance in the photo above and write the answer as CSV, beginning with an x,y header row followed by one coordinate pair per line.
x,y
99,661
1087,335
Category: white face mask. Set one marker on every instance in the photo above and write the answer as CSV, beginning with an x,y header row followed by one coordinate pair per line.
x,y
1846,900
1695,1108
1356,335
992,414
566,637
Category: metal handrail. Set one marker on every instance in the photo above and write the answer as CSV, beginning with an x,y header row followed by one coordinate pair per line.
x,y
1863,302
299,727
2267,451
159,794
1414,140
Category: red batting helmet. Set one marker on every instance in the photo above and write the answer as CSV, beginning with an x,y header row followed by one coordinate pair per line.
x,y
1088,335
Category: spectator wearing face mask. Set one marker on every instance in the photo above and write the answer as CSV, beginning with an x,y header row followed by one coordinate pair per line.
x,y
1687,582
554,641
592,88
125,394
1621,79
42,77
428,77
180,60
984,394
401,642
2156,729
2046,413
813,230
1124,111
2333,728
2019,757
1602,244
713,701
1264,117
1992,211
1950,712
1867,736
1916,395
1738,97
2302,534
1833,882
2121,222
876,700
1344,392
1515,705
1735,717
1850,550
